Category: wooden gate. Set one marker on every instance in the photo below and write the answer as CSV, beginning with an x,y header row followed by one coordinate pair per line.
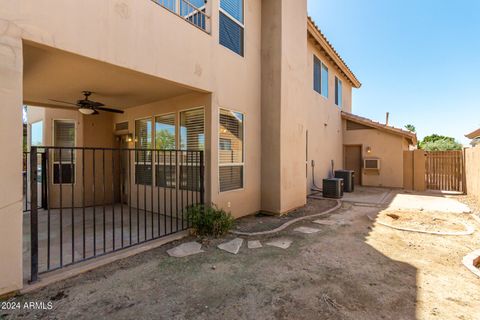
x,y
445,170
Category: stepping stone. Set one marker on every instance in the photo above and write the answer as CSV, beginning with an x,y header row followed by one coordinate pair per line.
x,y
325,222
232,246
306,230
254,244
280,243
185,249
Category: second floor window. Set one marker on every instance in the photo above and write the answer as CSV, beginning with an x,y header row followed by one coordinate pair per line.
x,y
232,25
338,92
320,77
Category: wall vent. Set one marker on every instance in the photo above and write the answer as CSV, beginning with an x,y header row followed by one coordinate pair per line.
x,y
121,126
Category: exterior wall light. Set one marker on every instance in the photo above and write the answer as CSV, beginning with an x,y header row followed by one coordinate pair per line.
x,y
129,138
369,150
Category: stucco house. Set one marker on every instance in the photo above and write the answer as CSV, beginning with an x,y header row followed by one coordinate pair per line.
x,y
220,101
475,137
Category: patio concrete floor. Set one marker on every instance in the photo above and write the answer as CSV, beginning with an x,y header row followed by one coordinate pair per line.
x,y
353,270
113,235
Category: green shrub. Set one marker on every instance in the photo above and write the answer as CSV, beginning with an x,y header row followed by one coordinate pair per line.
x,y
210,221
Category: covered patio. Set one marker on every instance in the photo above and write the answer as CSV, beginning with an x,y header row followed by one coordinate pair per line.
x,y
104,181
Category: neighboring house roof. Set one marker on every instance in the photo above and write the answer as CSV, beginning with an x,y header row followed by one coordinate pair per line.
x,y
473,135
329,50
410,136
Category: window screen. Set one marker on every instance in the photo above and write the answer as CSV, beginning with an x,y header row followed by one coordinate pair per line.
x,y
234,8
320,77
143,157
231,25
64,159
338,92
231,158
165,139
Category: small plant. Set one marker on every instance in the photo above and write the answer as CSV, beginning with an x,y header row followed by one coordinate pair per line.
x,y
210,220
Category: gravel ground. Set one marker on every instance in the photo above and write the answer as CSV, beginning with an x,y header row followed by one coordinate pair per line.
x,y
353,270
262,222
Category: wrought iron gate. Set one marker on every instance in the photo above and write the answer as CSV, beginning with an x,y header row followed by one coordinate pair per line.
x,y
100,200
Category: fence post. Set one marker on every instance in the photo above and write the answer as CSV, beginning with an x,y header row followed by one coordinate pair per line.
x,y
202,179
33,215
44,180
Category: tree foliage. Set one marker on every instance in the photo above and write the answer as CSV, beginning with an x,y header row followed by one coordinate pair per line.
x,y
437,142
411,128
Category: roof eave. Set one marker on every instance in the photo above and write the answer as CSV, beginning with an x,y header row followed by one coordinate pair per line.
x,y
474,134
331,52
411,137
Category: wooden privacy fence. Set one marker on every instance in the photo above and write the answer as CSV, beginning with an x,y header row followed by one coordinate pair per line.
x,y
445,170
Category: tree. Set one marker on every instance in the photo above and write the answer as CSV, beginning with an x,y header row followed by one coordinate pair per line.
x,y
411,128
437,142
165,139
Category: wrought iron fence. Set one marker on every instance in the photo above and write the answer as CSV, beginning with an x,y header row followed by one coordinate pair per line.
x,y
100,200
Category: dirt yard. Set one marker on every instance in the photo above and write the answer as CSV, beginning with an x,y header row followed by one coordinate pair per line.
x,y
355,269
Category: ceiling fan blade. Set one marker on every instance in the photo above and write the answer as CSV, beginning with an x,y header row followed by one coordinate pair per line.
x,y
97,104
109,110
64,102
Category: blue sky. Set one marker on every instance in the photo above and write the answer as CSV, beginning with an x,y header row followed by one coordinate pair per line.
x,y
417,59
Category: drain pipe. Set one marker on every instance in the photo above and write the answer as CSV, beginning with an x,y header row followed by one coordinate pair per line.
x,y
315,187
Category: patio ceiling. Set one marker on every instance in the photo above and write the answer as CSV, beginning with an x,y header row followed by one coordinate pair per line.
x,y
54,74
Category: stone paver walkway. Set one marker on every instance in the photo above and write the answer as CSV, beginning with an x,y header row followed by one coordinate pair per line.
x,y
232,246
255,244
185,249
307,230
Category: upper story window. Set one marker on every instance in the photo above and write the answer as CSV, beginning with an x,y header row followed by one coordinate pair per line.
x,y
320,77
338,92
232,25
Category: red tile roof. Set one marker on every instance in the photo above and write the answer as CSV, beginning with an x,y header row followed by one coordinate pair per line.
x,y
322,40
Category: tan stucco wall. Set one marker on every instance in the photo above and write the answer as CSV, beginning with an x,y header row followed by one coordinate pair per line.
x,y
11,65
284,48
385,146
414,169
472,171
324,123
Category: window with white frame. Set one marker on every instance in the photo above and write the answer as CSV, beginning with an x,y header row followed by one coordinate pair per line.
x,y
165,139
143,157
232,26
320,77
338,92
64,158
192,138
231,146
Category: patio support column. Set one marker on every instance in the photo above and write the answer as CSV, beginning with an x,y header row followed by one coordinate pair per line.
x,y
11,77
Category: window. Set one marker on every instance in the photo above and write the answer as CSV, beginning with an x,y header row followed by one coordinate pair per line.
x,y
165,139
231,25
64,159
320,77
143,157
36,134
192,138
338,92
231,158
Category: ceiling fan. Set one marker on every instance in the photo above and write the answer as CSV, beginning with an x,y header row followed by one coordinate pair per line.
x,y
89,107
